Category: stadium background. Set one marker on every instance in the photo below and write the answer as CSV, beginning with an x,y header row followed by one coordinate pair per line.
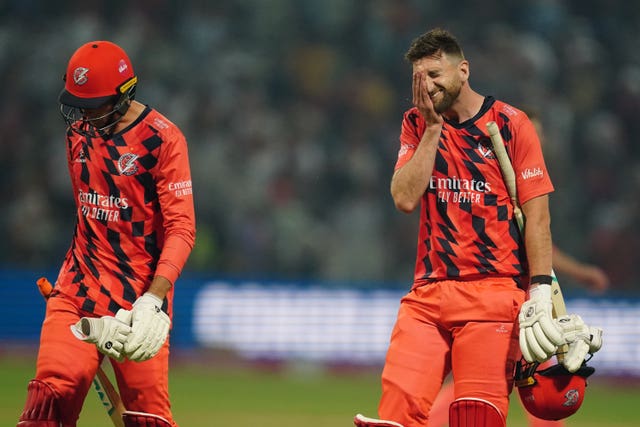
x,y
292,112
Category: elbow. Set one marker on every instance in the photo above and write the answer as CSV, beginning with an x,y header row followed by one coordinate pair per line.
x,y
405,205
404,197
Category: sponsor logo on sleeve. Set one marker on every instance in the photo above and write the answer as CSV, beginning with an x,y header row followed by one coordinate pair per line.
x,y
404,149
181,188
529,173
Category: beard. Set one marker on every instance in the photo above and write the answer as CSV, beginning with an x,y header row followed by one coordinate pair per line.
x,y
449,96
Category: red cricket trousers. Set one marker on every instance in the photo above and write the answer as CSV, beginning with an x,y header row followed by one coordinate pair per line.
x,y
69,365
464,327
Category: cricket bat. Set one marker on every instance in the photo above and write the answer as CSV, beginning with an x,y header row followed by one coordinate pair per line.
x,y
509,176
107,393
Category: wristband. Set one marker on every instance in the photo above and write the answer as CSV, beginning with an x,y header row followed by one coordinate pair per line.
x,y
542,279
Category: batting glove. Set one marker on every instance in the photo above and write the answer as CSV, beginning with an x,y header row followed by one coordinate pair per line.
x,y
580,338
540,336
149,328
108,333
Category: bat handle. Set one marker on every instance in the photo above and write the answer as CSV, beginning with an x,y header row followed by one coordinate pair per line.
x,y
45,287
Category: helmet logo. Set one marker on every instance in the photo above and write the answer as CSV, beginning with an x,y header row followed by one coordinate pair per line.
x,y
122,66
127,165
80,75
572,397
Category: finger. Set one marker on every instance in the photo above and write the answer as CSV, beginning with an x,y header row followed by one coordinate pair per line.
x,y
121,338
541,338
124,316
137,355
417,88
551,331
575,356
132,344
595,339
424,94
116,347
537,351
124,330
524,347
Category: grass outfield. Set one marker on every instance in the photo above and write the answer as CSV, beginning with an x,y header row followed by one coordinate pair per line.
x,y
298,396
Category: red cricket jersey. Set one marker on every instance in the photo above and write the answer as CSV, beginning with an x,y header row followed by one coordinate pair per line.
x,y
135,215
467,229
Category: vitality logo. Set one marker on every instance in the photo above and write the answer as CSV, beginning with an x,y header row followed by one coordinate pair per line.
x,y
531,173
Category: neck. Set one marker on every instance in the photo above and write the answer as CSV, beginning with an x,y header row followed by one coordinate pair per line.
x,y
134,111
466,106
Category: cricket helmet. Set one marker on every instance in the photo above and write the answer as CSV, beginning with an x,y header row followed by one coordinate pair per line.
x,y
98,73
553,393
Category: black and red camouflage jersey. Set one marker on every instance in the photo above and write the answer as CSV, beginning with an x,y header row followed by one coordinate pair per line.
x,y
135,214
467,229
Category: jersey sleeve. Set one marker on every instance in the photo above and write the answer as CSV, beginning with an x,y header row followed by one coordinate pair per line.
x,y
410,134
73,151
174,186
532,177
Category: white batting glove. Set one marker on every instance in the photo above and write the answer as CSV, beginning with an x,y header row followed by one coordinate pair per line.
x,y
595,343
108,333
580,338
149,328
540,336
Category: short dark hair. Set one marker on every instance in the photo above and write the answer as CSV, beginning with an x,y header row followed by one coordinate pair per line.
x,y
433,43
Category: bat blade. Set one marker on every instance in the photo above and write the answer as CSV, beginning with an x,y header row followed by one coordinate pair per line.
x,y
109,397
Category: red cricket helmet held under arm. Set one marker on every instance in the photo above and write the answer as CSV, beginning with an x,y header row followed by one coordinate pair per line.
x,y
553,393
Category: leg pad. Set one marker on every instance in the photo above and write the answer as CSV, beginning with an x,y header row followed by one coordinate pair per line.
x,y
41,408
142,419
362,421
469,412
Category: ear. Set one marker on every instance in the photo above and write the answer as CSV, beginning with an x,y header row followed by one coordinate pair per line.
x,y
463,70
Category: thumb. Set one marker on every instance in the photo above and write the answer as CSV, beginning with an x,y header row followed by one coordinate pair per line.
x,y
87,329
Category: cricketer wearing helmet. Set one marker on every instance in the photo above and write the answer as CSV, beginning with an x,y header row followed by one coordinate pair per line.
x,y
135,228
472,266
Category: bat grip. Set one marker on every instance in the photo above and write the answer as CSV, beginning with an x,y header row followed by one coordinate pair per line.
x,y
44,286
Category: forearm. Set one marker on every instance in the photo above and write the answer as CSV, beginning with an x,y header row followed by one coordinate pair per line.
x,y
160,286
537,236
175,252
411,181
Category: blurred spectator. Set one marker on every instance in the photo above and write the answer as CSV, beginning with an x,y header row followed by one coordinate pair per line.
x,y
292,130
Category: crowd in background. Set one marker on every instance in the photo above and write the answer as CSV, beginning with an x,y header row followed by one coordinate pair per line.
x,y
292,111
